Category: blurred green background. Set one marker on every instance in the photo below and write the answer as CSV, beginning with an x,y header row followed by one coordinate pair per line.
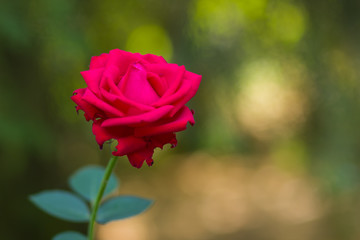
x,y
274,153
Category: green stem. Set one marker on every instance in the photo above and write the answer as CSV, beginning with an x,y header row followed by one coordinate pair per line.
x,y
95,207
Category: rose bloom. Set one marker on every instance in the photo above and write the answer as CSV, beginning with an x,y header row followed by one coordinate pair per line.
x,y
139,100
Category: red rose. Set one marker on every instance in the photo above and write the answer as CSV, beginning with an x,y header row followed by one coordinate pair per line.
x,y
139,100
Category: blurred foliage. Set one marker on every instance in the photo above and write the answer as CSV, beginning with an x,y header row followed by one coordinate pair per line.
x,y
280,86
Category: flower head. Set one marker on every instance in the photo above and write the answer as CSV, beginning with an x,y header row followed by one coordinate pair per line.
x,y
139,100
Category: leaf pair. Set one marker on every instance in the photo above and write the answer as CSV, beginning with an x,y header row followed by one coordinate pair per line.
x,y
86,183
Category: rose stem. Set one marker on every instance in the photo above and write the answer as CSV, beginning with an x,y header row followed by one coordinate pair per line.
x,y
95,207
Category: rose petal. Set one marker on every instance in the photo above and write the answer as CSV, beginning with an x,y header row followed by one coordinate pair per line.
x,y
175,124
94,100
126,105
122,59
110,91
99,61
151,58
101,136
135,86
92,78
157,83
111,76
181,93
172,74
137,158
195,82
174,82
90,111
129,145
104,134
160,140
148,117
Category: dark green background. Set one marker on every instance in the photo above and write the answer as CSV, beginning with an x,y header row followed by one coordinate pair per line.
x,y
280,87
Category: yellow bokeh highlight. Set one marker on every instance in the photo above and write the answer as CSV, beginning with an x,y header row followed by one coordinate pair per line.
x,y
287,22
224,18
281,21
269,105
252,9
150,39
217,17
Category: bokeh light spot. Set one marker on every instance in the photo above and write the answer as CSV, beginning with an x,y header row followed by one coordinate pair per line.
x,y
150,39
287,22
268,104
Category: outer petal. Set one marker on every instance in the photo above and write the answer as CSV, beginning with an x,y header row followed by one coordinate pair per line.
x,y
160,140
99,61
175,124
122,59
151,58
104,134
101,136
100,104
91,112
126,105
130,144
92,78
137,158
148,117
186,91
195,82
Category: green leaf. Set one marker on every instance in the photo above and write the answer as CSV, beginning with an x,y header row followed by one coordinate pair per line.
x,y
69,235
62,204
87,181
121,207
